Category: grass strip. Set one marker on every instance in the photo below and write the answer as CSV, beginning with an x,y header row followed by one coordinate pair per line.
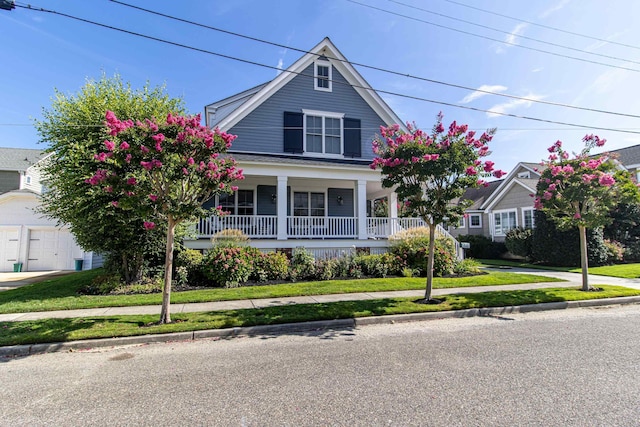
x,y
624,271
58,330
61,293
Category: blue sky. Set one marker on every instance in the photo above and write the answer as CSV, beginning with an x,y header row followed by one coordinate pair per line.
x,y
42,51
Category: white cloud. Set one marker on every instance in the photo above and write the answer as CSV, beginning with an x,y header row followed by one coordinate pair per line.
x,y
599,44
519,29
554,8
509,106
279,66
477,94
537,70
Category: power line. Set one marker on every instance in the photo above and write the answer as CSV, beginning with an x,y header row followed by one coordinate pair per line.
x,y
246,61
397,73
541,25
510,33
492,39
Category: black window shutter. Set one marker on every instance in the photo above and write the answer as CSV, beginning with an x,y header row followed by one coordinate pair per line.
x,y
293,132
352,138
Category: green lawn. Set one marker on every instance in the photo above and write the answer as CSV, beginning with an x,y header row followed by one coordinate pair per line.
x,y
61,293
57,330
626,271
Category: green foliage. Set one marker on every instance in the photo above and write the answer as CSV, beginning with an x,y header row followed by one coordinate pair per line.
x,y
229,267
326,269
413,253
188,264
303,265
518,241
552,246
270,266
482,247
467,266
100,285
106,231
625,228
615,251
230,238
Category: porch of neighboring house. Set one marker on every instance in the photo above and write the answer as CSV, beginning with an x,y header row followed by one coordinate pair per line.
x,y
324,215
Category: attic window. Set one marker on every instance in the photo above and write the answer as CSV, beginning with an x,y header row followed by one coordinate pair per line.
x,y
525,174
322,75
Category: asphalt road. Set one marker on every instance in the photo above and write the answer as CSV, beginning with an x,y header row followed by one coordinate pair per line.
x,y
578,367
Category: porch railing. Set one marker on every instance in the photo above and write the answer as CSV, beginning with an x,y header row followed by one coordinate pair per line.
x,y
321,227
262,226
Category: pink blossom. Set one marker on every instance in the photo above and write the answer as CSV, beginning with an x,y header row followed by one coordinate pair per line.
x,y
606,180
147,165
101,157
124,145
144,149
552,187
185,171
568,169
499,173
471,170
131,181
114,203
109,144
127,158
108,189
587,178
547,195
234,188
190,161
153,197
439,128
577,215
553,157
148,225
565,155
488,166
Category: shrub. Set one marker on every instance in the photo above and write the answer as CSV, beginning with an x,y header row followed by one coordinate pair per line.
x,y
229,267
615,251
101,285
518,241
551,246
303,265
344,265
230,238
467,266
482,247
146,286
372,265
413,252
270,266
189,267
326,269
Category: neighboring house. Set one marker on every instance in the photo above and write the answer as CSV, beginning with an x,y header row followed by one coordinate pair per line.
x,y
503,205
508,203
304,142
26,237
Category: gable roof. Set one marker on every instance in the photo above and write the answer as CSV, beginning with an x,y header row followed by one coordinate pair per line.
x,y
19,159
629,156
528,183
240,105
479,194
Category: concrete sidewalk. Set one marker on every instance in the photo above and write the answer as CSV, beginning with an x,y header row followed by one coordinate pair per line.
x,y
572,280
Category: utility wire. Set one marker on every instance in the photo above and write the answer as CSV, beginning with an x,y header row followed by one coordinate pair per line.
x,y
492,39
548,27
246,61
510,33
397,73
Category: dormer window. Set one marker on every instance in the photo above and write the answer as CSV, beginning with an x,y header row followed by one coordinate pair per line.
x,y
322,75
525,174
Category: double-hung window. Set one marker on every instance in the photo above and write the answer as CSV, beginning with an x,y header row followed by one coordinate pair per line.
x,y
475,221
323,133
240,202
322,75
308,204
528,218
504,221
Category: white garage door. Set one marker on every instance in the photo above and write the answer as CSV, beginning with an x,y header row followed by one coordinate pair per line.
x,y
51,250
9,239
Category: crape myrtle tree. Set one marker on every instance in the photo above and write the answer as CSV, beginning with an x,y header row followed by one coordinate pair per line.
x,y
73,129
578,192
162,171
430,171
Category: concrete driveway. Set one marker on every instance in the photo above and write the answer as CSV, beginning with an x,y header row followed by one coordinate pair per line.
x,y
10,280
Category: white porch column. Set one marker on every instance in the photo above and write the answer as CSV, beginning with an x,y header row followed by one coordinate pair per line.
x,y
393,213
282,208
361,197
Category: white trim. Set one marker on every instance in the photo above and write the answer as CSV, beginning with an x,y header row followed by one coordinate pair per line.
x,y
329,79
323,115
328,49
462,223
500,212
533,219
479,215
497,193
496,196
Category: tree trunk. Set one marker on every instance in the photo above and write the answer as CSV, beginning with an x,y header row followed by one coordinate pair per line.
x,y
430,258
584,260
165,315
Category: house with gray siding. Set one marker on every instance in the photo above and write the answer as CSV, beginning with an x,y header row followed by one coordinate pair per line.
x,y
304,142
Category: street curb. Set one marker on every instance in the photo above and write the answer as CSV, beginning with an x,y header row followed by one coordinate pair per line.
x,y
31,349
